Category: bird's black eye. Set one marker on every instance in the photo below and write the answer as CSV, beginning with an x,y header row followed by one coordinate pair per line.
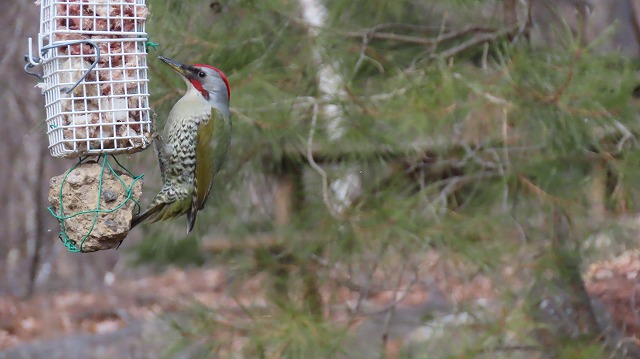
x,y
202,74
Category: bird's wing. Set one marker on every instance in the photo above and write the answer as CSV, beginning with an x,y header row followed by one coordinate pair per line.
x,y
205,163
219,145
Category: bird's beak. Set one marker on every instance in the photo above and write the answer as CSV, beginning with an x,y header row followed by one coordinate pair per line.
x,y
182,69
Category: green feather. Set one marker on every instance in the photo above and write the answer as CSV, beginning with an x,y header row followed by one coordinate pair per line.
x,y
212,142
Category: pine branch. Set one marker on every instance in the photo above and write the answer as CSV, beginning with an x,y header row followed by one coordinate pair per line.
x,y
477,40
411,39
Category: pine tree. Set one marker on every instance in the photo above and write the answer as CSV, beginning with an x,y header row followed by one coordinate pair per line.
x,y
391,146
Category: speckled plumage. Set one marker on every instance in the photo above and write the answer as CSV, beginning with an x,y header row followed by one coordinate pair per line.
x,y
190,152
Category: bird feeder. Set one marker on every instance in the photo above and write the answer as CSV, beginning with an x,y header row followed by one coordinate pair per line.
x,y
94,81
95,85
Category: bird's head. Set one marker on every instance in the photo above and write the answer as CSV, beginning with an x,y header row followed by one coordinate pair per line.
x,y
204,80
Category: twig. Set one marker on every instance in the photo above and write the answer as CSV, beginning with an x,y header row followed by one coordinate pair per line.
x,y
539,191
440,36
389,307
412,27
367,289
295,102
485,55
346,282
488,96
323,175
511,348
524,26
304,101
475,41
452,184
555,98
626,135
372,34
473,155
363,49
390,36
392,306
386,96
505,154
357,101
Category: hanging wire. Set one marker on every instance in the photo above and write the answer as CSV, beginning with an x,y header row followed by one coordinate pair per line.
x,y
32,61
150,44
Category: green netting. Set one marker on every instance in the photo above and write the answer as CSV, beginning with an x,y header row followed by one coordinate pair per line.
x,y
62,217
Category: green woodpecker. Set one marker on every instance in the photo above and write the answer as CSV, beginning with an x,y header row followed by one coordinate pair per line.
x,y
193,146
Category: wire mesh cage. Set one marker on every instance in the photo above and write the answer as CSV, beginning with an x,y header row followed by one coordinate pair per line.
x,y
95,76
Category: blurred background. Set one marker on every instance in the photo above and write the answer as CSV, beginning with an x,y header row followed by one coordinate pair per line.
x,y
407,179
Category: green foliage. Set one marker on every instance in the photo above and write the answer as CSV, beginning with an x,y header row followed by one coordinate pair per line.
x,y
473,162
164,251
295,335
581,350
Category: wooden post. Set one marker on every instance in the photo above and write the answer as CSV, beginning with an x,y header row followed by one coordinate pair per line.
x,y
597,192
283,199
275,259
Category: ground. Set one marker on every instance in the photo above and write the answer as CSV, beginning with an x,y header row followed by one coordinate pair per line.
x,y
128,316
107,310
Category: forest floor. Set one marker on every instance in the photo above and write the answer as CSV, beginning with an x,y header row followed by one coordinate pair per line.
x,y
132,317
105,312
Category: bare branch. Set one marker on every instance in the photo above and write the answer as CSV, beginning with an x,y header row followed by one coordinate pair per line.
x,y
412,39
476,40
323,175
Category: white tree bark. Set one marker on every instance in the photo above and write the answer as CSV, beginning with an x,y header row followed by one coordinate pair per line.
x,y
330,87
330,82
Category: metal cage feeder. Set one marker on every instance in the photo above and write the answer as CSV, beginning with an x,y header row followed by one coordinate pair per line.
x,y
95,76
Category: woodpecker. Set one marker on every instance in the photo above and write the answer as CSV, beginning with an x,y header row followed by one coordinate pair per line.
x,y
193,145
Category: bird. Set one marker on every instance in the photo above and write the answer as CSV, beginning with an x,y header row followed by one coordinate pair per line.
x,y
193,145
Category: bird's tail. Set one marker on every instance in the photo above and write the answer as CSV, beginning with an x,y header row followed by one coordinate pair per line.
x,y
146,214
